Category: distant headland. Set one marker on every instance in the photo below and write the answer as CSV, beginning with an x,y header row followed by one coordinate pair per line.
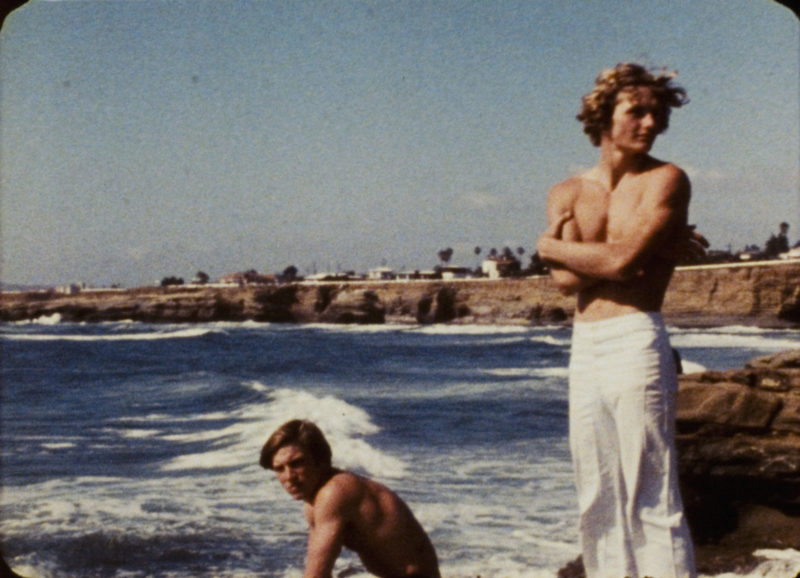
x,y
765,293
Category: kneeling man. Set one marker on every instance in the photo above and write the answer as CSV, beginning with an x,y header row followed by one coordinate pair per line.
x,y
344,509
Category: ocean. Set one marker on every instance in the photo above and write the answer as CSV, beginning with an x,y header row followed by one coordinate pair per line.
x,y
131,450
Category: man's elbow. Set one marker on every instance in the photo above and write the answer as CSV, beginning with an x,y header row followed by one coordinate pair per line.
x,y
622,268
567,289
623,275
566,283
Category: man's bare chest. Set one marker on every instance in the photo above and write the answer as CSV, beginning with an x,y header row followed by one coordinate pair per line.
x,y
602,215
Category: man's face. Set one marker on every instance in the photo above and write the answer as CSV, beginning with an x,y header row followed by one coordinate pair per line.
x,y
637,120
297,472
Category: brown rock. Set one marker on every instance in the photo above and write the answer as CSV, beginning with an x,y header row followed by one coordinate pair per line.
x,y
739,458
778,381
788,419
785,360
727,403
349,307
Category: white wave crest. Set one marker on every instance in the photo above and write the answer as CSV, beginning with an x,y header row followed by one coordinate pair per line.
x,y
353,328
551,340
692,367
774,563
471,329
734,341
732,329
239,444
149,336
532,372
53,319
343,424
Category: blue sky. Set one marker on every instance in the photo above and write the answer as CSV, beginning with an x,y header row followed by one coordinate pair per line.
x,y
148,138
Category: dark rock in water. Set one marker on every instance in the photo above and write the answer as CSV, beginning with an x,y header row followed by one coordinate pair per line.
x,y
6,571
738,440
540,315
573,569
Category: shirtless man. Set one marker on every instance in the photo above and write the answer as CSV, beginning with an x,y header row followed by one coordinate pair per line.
x,y
614,233
343,509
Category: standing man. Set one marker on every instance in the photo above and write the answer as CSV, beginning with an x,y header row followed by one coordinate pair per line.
x,y
614,234
343,509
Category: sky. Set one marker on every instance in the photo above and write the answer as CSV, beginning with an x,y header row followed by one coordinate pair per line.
x,y
141,139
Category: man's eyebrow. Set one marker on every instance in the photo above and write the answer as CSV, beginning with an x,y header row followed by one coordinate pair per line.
x,y
291,462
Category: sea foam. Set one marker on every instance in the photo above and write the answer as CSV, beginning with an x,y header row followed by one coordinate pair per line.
x,y
238,444
145,336
752,340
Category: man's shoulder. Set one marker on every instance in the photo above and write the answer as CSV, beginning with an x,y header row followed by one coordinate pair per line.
x,y
666,170
340,486
338,497
567,189
668,180
572,182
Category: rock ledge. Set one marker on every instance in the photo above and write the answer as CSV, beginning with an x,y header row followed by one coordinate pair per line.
x,y
738,440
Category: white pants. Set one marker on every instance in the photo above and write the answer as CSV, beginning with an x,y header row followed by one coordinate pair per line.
x,y
622,390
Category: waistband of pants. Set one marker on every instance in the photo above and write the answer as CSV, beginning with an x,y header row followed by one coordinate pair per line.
x,y
621,324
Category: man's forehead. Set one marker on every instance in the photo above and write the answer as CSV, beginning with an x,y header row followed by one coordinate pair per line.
x,y
636,95
288,453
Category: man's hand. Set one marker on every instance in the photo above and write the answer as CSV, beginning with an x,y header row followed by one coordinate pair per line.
x,y
691,247
555,230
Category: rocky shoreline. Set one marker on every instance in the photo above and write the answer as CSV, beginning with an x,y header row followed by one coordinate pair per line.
x,y
738,431
766,294
738,440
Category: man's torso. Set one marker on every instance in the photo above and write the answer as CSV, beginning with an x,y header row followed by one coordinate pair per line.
x,y
381,529
602,215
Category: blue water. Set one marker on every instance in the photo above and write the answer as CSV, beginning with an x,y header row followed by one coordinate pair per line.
x,y
132,450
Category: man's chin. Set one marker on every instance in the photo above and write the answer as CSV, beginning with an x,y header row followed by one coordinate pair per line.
x,y
296,494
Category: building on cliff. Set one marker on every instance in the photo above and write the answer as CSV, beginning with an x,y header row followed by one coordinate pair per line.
x,y
497,267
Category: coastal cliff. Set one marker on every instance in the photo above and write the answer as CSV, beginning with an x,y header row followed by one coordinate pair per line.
x,y
766,294
738,431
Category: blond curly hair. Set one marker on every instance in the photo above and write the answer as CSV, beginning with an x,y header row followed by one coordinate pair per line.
x,y
598,106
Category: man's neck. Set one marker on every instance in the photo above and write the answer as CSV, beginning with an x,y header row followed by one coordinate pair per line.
x,y
615,164
324,479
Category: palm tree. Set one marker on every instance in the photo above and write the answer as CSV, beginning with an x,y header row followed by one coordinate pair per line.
x,y
445,255
290,273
